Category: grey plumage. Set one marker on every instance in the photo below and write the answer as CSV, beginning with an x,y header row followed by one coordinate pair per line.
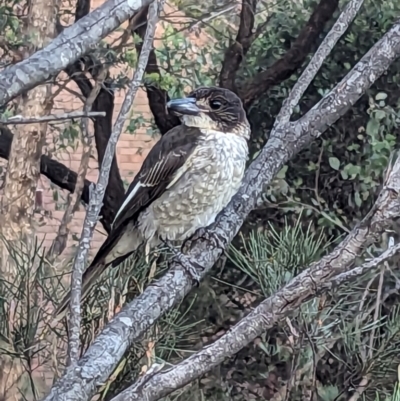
x,y
189,176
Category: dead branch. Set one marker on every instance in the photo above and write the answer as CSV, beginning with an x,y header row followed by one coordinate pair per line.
x,y
330,272
136,317
293,58
96,199
16,120
71,44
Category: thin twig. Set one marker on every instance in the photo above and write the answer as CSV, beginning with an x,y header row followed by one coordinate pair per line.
x,y
360,270
73,205
210,16
16,120
97,196
338,29
376,314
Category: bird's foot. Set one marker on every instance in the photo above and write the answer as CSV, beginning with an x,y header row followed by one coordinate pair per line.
x,y
204,234
170,247
188,265
191,270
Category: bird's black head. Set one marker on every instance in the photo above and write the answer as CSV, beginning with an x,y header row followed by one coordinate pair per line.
x,y
212,108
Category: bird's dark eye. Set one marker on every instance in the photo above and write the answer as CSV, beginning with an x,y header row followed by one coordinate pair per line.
x,y
215,104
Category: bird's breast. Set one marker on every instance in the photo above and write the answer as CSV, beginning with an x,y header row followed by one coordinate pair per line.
x,y
202,188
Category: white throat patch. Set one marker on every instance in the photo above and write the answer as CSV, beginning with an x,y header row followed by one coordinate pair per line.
x,y
202,122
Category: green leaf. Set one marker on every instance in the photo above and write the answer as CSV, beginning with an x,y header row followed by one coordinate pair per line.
x,y
379,114
334,163
381,96
357,199
372,128
282,172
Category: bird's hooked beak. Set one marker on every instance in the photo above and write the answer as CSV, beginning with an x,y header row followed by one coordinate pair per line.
x,y
185,106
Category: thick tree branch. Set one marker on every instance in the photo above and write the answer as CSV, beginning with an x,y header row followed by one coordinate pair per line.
x,y
156,96
69,46
239,48
331,271
96,198
293,58
136,317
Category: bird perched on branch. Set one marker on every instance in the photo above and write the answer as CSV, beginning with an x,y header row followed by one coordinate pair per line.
x,y
188,177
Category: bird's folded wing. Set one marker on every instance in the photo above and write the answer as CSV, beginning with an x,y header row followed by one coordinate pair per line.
x,y
158,171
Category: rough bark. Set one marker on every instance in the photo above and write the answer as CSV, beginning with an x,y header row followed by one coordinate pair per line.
x,y
68,47
24,160
59,175
136,318
331,271
19,191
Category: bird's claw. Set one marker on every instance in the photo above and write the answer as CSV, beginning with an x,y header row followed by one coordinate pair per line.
x,y
194,275
190,268
205,234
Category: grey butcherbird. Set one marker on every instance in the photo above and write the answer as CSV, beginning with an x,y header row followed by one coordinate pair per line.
x,y
188,177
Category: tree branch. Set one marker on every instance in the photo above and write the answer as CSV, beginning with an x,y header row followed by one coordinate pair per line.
x,y
98,194
293,58
16,120
136,317
239,48
340,27
71,44
331,271
79,262
156,96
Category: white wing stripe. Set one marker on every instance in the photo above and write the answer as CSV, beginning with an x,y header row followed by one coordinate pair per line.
x,y
128,199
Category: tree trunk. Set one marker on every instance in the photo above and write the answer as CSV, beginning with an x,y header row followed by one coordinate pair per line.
x,y
18,202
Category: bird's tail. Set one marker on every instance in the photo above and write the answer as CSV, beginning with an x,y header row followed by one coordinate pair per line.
x,y
88,279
